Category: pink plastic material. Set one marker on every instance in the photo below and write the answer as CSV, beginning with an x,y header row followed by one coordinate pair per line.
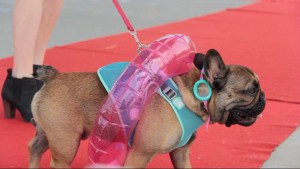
x,y
166,57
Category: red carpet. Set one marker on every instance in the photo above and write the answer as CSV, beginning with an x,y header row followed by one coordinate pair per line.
x,y
264,36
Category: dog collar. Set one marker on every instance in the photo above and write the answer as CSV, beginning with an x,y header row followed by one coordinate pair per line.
x,y
203,97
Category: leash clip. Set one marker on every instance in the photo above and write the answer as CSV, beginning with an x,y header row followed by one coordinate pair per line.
x,y
141,46
129,26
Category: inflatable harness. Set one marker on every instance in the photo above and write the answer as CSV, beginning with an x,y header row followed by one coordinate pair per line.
x,y
188,120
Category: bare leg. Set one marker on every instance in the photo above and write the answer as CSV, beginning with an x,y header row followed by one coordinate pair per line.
x,y
51,12
33,23
26,21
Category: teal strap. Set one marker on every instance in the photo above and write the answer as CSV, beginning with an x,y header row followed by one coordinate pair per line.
x,y
188,120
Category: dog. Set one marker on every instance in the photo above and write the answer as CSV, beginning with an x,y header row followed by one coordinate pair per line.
x,y
65,109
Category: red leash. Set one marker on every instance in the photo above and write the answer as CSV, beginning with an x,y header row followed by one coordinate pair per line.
x,y
129,26
125,19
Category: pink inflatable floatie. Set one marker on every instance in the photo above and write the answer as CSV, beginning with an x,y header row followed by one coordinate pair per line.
x,y
166,57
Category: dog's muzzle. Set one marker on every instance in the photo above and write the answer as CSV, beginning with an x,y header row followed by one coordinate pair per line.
x,y
246,117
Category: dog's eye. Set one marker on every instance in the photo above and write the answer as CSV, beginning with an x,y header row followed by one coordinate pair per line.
x,y
252,90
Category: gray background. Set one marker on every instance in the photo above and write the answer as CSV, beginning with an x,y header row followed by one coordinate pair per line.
x,y
86,19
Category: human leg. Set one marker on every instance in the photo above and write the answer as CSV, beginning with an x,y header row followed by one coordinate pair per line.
x,y
51,12
26,21
32,26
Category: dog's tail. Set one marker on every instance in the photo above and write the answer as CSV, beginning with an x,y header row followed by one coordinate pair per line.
x,y
45,73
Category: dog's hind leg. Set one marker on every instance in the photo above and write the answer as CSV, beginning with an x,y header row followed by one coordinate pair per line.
x,y
37,146
63,147
181,156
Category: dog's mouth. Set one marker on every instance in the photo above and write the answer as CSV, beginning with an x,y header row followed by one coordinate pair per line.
x,y
238,116
246,116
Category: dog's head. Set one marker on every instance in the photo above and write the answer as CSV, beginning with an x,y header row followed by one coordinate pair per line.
x,y
236,94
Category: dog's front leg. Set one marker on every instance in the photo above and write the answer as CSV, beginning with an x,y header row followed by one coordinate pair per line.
x,y
181,156
137,159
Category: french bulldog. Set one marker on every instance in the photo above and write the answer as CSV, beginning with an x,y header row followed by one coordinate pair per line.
x,y
66,107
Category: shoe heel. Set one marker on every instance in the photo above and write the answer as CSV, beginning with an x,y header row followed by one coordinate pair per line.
x,y
9,110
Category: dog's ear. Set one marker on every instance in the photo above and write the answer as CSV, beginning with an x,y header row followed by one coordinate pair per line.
x,y
215,69
199,60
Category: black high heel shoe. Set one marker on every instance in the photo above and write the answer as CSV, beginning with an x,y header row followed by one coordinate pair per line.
x,y
18,94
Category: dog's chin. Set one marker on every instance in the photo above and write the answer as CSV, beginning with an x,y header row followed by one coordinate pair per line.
x,y
239,117
246,116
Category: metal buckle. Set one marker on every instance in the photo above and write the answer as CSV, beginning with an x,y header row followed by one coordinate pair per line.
x,y
168,91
